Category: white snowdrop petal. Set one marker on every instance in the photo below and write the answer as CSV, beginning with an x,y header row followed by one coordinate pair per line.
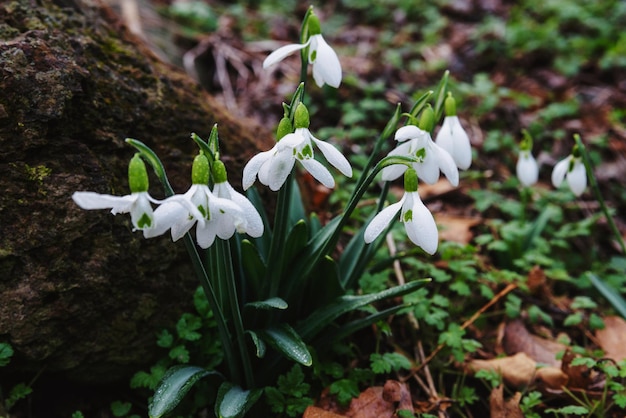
x,y
446,164
279,168
253,166
381,221
326,67
577,178
334,157
422,229
92,200
205,235
281,53
559,171
319,172
408,132
527,169
393,172
254,226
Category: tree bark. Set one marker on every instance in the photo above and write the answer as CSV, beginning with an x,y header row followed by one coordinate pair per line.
x,y
79,291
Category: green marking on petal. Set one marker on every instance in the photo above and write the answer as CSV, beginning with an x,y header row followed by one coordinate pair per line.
x,y
407,216
307,151
145,221
421,154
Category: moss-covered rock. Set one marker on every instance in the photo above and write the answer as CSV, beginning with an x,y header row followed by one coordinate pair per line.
x,y
79,291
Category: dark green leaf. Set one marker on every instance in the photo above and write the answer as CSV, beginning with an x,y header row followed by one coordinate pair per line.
x,y
233,401
284,339
173,387
271,303
258,343
612,295
322,317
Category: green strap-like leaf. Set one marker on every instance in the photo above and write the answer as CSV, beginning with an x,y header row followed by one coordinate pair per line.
x,y
321,318
259,344
233,401
610,293
271,303
173,387
284,339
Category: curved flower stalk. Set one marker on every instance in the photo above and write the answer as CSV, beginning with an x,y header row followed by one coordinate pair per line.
x,y
274,166
138,203
527,168
453,138
572,170
418,222
213,216
326,65
416,142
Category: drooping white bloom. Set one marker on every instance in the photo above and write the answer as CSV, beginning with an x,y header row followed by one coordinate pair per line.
x,y
573,171
418,222
453,138
251,222
326,65
213,216
527,168
415,142
273,167
137,204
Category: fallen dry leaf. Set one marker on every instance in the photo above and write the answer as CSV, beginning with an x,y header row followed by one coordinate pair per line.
x,y
398,393
316,412
499,408
456,228
580,377
551,378
612,339
517,339
370,404
517,370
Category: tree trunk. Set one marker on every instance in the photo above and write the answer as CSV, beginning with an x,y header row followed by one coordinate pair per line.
x,y
79,291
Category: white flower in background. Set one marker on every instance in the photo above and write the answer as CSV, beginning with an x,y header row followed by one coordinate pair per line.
x,y
415,142
453,138
418,222
326,65
573,171
213,216
137,203
251,223
273,167
527,168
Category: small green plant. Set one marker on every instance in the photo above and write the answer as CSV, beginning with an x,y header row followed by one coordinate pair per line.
x,y
17,392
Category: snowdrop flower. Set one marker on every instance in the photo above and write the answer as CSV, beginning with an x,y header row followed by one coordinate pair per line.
x,y
251,223
527,168
453,138
418,222
573,171
213,216
326,65
137,203
416,142
273,167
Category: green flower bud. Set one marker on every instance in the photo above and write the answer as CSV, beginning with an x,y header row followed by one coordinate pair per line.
x,y
450,105
410,180
219,172
137,175
576,151
314,25
301,118
284,128
200,170
427,120
527,141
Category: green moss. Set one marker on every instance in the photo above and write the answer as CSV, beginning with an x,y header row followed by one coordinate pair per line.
x,y
37,173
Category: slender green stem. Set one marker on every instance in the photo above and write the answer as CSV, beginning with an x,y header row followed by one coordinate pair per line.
x,y
227,276
281,220
210,294
596,190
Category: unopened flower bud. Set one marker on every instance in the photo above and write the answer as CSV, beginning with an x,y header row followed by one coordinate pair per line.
x,y
219,172
137,175
410,180
450,105
284,128
301,118
427,119
200,170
